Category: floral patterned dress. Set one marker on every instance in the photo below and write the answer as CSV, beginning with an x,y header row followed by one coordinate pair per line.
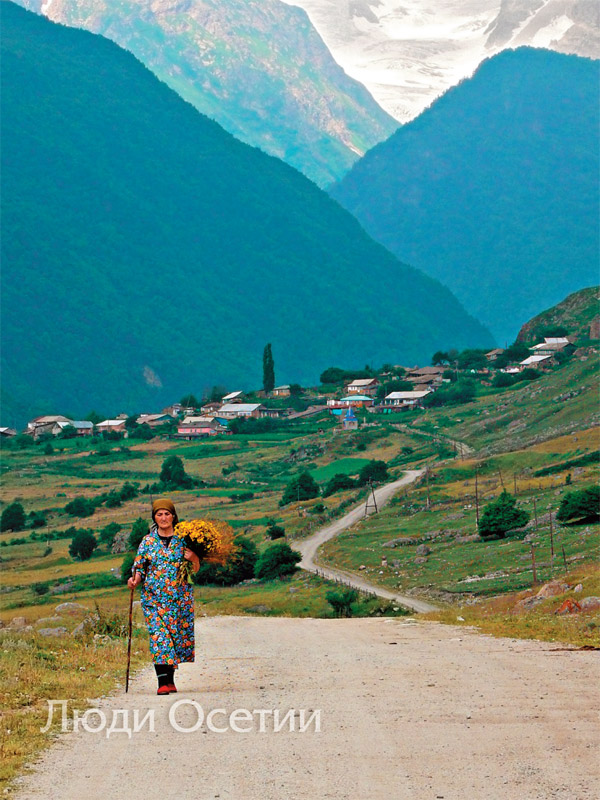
x,y
168,608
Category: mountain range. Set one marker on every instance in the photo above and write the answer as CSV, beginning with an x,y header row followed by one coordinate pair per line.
x,y
257,67
147,253
494,189
408,52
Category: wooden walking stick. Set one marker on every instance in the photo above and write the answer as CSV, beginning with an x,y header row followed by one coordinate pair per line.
x,y
130,632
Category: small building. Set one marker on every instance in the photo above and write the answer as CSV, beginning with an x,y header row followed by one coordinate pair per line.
x,y
6,433
154,420
493,354
396,401
364,386
82,426
281,391
337,407
536,362
245,410
47,424
115,425
197,427
552,345
432,376
208,409
233,397
350,420
274,413
174,410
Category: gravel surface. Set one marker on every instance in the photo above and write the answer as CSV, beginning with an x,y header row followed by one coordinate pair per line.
x,y
408,709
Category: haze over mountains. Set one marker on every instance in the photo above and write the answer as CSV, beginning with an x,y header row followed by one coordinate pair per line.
x,y
408,52
494,189
147,253
257,67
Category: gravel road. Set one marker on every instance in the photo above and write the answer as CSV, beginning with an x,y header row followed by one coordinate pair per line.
x,y
409,710
308,547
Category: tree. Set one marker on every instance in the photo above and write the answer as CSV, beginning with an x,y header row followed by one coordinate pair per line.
x,y
37,519
190,401
173,474
302,487
138,530
108,533
80,507
82,545
472,359
295,389
275,531
582,505
13,517
439,358
268,369
239,567
516,352
463,391
500,516
276,561
333,375
94,418
395,385
373,471
338,483
128,492
342,600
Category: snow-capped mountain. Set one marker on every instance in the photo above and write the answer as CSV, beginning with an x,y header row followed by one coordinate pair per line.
x,y
408,52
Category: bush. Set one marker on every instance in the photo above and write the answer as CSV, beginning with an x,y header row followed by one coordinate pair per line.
x,y
277,560
113,500
80,507
13,517
463,391
501,516
275,532
139,529
40,588
128,492
338,483
173,474
37,519
240,566
502,379
108,533
302,487
374,471
126,566
581,505
83,545
342,600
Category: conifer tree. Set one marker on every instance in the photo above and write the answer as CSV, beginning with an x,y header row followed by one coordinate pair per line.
x,y
268,369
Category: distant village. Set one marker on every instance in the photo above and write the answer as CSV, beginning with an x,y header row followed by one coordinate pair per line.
x,y
365,393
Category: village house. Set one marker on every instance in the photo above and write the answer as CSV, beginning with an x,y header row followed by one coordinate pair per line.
x,y
493,354
551,346
245,410
364,386
47,424
536,362
207,409
174,410
274,413
395,401
115,425
233,397
154,420
82,427
281,391
429,376
195,427
352,401
7,432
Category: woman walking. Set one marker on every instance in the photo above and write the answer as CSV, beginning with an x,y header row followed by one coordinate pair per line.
x,y
168,606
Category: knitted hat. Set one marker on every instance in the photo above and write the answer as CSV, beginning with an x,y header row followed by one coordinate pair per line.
x,y
164,503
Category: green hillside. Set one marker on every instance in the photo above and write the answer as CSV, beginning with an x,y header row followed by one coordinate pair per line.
x,y
493,190
147,253
257,67
577,316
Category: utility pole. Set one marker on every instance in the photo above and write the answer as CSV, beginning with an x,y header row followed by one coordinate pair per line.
x,y
477,497
501,480
551,536
427,481
370,497
533,565
535,514
515,482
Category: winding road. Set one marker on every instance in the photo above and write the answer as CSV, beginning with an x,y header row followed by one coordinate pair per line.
x,y
308,547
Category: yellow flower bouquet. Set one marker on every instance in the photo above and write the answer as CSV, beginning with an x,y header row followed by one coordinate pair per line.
x,y
210,539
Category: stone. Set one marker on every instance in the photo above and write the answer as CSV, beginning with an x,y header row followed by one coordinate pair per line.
x,y
527,603
72,609
258,609
60,631
421,560
423,550
120,543
17,622
293,589
473,537
578,588
590,603
100,638
553,589
48,622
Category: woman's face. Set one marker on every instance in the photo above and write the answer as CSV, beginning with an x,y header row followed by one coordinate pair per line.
x,y
164,519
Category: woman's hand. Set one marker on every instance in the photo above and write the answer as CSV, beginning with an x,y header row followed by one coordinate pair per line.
x,y
135,580
191,556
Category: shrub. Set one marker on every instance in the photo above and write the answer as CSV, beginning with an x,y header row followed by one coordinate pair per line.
x,y
502,379
239,567
139,529
302,487
113,500
128,492
501,516
83,545
338,483
581,505
108,533
275,532
463,391
342,600
37,519
80,507
40,588
276,561
13,517
126,566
